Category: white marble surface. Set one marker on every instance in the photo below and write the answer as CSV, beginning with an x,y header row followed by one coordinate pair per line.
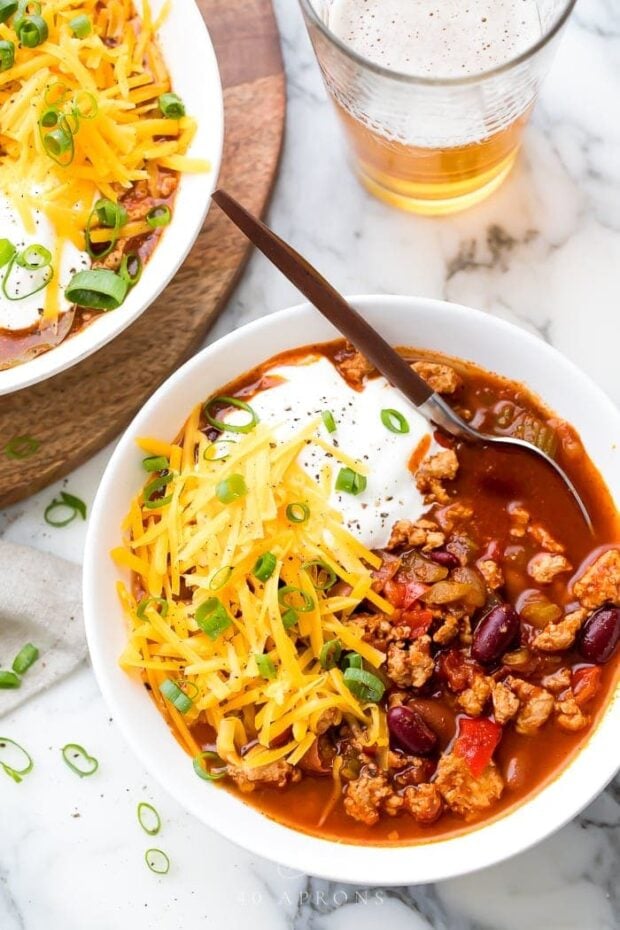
x,y
544,252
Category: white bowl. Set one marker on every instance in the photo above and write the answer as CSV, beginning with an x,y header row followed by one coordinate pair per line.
x,y
456,330
192,64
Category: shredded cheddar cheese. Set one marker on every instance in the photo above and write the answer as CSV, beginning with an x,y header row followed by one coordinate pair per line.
x,y
112,78
193,547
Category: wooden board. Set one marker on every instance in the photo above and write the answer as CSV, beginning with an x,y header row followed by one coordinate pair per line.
x,y
76,413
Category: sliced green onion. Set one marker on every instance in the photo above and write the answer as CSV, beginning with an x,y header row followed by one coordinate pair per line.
x,y
97,289
7,54
231,489
213,618
24,9
70,122
297,512
148,818
155,463
364,685
289,618
207,771
47,277
7,251
64,502
328,420
34,257
7,8
265,666
350,481
49,118
220,578
157,861
159,216
322,576
394,421
110,214
9,680
152,488
211,453
353,660
171,106
21,447
225,401
80,26
79,760
175,695
131,268
85,104
17,774
32,31
289,591
58,144
329,656
265,566
146,602
25,658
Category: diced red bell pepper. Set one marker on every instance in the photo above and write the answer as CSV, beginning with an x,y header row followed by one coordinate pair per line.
x,y
585,683
404,594
418,620
476,742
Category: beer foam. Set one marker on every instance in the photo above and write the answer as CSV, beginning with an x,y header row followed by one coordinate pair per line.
x,y
436,38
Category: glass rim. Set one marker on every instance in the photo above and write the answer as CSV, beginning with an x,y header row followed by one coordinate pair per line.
x,y
421,79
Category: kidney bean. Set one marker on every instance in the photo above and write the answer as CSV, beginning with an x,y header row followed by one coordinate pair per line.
x,y
445,558
494,634
600,635
410,731
438,716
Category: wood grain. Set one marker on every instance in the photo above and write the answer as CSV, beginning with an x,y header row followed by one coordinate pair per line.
x,y
76,413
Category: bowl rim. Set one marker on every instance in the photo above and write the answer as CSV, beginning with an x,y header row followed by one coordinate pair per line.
x,y
246,826
179,237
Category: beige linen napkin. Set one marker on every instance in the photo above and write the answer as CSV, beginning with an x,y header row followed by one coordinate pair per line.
x,y
40,603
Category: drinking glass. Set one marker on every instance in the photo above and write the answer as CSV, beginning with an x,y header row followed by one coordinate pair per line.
x,y
427,144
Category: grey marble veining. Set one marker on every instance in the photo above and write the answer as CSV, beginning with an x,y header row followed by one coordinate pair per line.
x,y
543,252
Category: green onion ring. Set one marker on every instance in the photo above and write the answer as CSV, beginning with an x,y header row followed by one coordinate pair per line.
x,y
69,501
328,420
352,660
231,489
146,602
32,31
7,54
80,26
320,567
155,463
21,447
265,666
350,481
329,657
34,257
212,618
7,251
207,773
25,659
91,764
308,602
158,216
171,106
131,268
145,812
157,861
394,421
297,512
97,289
49,118
9,680
210,453
111,216
225,401
48,275
220,578
89,112
58,144
7,8
364,685
289,618
16,774
265,566
176,695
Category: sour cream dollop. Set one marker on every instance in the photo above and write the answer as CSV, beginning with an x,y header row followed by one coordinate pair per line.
x,y
314,386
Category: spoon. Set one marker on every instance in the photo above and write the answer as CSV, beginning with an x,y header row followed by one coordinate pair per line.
x,y
367,340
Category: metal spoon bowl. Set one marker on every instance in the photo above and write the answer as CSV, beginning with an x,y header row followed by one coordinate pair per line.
x,y
370,343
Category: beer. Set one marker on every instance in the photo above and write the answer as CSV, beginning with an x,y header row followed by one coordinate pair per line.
x,y
434,94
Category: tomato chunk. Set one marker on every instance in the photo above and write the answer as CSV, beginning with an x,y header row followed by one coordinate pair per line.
x,y
585,683
404,593
418,620
476,742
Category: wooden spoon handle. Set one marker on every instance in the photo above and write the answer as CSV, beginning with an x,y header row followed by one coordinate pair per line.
x,y
325,298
